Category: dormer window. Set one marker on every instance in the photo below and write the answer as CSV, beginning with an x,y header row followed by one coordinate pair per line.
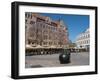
x,y
32,22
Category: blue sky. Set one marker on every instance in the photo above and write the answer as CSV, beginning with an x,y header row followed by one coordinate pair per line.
x,y
76,24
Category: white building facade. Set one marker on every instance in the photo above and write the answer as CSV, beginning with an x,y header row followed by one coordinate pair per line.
x,y
83,40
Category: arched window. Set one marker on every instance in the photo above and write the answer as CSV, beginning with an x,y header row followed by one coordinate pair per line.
x,y
32,22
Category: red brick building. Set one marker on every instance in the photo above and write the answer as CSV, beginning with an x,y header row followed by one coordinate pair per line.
x,y
43,32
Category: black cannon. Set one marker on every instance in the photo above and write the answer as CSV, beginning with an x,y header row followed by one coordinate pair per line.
x,y
64,58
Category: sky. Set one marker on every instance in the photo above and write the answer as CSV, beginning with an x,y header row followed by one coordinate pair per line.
x,y
76,24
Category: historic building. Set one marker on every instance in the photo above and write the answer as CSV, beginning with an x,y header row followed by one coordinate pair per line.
x,y
43,32
83,40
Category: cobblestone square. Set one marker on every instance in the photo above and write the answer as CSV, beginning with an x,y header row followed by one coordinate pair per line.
x,y
77,59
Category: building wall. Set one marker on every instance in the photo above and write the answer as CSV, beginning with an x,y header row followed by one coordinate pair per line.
x,y
83,40
43,31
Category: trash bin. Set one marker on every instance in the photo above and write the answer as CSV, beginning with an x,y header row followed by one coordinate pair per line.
x,y
64,58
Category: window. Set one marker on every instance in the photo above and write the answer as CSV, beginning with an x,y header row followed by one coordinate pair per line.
x,y
26,21
32,22
45,37
25,27
88,35
28,15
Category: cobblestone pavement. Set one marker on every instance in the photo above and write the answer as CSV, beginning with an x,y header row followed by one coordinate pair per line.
x,y
53,60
